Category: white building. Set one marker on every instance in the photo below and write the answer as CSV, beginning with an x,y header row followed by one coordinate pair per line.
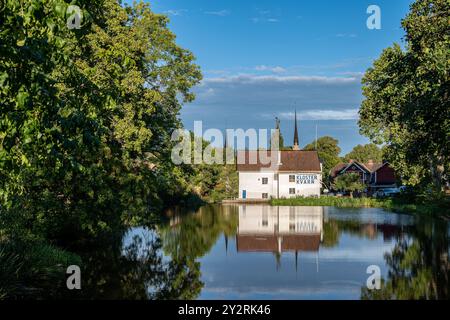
x,y
295,173
298,174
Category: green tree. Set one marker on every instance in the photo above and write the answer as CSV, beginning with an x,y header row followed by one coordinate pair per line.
x,y
350,182
328,150
406,94
227,186
364,153
86,115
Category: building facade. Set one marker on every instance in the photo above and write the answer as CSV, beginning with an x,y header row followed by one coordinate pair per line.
x,y
375,175
291,173
296,173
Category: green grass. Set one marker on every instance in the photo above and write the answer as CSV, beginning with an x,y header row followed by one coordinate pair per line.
x,y
436,207
33,270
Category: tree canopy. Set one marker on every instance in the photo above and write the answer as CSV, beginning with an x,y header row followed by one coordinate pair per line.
x,y
406,91
364,153
86,114
86,117
350,182
328,150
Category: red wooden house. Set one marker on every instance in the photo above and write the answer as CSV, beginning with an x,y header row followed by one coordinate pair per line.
x,y
374,175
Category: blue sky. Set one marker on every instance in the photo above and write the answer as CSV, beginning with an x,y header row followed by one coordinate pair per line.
x,y
262,59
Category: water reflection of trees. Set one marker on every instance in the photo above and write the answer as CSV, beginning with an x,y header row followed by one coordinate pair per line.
x,y
160,263
418,266
193,235
164,264
137,271
333,229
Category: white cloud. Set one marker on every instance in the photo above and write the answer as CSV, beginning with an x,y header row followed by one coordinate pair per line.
x,y
345,114
175,12
276,79
221,13
263,19
264,16
276,69
250,98
352,73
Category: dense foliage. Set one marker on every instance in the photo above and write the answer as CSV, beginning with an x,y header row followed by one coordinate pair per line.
x,y
349,182
365,153
328,150
406,93
86,114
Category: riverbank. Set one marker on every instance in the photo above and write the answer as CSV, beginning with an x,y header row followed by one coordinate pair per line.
x,y
433,207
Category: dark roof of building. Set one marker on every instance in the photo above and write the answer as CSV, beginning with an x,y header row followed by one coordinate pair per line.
x,y
269,243
370,167
300,161
337,168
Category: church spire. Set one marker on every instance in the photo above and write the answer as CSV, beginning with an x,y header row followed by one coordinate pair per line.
x,y
295,147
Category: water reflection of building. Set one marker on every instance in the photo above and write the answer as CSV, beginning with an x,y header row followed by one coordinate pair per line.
x,y
279,229
389,231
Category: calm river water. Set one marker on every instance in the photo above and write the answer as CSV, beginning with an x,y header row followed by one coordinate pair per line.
x,y
264,252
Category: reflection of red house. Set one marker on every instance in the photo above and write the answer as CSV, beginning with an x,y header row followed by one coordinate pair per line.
x,y
374,175
277,243
391,231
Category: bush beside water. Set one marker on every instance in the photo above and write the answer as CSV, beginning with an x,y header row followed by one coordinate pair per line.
x,y
424,205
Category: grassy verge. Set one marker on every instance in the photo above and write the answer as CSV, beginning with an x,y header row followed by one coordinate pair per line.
x,y
432,207
33,270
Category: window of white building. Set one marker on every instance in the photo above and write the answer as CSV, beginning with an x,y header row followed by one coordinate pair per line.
x,y
265,180
291,190
292,178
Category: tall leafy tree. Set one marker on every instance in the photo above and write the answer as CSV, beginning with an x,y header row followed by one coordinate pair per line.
x,y
350,182
406,94
328,150
86,114
364,153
